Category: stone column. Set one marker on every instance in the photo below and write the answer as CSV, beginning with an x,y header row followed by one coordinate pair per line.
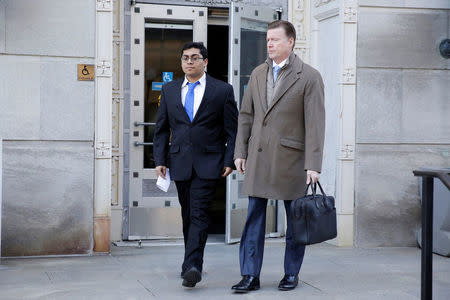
x,y
345,185
327,40
117,120
103,124
299,15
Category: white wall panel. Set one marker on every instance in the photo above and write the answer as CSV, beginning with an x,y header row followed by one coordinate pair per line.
x,y
47,27
19,97
441,4
401,38
2,26
47,198
402,115
67,105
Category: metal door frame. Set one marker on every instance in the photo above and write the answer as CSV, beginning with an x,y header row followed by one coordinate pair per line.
x,y
1,194
237,13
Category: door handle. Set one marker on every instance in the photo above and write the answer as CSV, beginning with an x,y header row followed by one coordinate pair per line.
x,y
145,144
144,124
142,144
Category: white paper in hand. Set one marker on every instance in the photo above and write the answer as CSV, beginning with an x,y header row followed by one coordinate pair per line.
x,y
163,184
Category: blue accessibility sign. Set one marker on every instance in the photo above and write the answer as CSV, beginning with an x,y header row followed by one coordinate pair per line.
x,y
167,77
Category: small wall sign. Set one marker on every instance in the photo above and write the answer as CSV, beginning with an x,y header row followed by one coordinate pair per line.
x,y
157,86
86,72
167,77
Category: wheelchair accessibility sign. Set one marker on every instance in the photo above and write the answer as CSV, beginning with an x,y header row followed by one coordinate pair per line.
x,y
167,77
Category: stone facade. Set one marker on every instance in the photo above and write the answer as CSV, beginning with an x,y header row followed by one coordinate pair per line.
x,y
47,127
402,115
387,114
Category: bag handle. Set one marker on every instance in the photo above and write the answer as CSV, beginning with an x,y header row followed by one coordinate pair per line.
x,y
313,188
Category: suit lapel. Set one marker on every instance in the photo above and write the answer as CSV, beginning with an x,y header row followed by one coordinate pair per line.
x,y
261,81
207,96
178,103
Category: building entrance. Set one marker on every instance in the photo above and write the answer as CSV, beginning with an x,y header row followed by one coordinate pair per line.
x,y
235,38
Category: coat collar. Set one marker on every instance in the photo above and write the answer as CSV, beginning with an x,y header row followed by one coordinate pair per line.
x,y
293,69
290,60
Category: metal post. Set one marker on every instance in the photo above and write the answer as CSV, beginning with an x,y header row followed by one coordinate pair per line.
x,y
428,176
1,193
427,238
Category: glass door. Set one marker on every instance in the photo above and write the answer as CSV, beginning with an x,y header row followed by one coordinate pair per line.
x,y
247,40
158,32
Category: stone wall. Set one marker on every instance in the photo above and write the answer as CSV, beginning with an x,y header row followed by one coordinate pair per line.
x,y
47,126
402,118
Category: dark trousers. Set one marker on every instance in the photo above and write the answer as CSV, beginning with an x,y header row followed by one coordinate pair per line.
x,y
251,250
195,196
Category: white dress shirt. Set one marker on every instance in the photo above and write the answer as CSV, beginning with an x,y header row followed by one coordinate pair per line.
x,y
198,92
281,64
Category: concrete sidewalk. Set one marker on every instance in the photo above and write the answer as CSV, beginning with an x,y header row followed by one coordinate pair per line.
x,y
328,272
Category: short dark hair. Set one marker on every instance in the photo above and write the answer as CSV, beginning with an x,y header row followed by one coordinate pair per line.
x,y
289,29
197,45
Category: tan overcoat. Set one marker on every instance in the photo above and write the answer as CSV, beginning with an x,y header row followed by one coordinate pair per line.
x,y
283,140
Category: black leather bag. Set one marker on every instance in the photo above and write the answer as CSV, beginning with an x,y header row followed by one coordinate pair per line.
x,y
313,217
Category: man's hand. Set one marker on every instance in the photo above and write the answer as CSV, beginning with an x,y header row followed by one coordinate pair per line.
x,y
161,171
226,171
312,175
240,165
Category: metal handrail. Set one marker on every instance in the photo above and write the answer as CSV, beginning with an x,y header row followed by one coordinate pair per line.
x,y
428,176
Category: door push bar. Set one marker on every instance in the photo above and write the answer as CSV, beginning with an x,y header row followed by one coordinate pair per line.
x,y
144,124
142,144
145,144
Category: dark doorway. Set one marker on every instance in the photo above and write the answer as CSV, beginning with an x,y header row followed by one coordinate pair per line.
x,y
218,52
218,68
162,53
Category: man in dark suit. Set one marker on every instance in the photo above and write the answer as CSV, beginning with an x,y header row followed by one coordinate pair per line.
x,y
201,115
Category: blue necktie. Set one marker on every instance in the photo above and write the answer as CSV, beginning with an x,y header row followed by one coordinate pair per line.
x,y
189,100
276,69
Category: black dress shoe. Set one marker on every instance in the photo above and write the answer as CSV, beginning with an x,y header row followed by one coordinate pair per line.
x,y
182,273
289,282
191,277
248,283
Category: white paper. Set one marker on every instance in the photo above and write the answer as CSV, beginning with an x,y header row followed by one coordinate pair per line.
x,y
163,184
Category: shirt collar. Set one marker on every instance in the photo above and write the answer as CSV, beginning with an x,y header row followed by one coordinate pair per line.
x,y
202,80
281,64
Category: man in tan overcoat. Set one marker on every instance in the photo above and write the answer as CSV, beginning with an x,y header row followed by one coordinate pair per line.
x,y
279,148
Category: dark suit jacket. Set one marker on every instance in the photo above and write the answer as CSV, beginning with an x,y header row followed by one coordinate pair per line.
x,y
205,145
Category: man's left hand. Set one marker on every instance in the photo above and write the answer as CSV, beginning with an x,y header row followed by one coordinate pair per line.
x,y
312,175
226,171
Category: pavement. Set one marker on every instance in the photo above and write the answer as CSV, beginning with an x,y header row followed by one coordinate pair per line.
x,y
153,272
